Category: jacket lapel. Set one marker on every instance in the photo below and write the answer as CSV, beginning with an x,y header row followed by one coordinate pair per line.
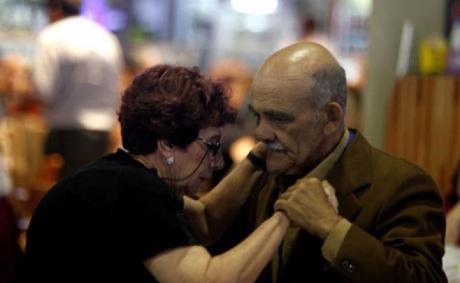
x,y
350,175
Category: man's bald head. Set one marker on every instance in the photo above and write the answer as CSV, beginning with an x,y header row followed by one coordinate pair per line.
x,y
309,63
298,97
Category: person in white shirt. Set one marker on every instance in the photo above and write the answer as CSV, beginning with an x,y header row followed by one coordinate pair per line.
x,y
76,71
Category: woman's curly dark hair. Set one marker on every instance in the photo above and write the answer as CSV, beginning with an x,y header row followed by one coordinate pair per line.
x,y
172,103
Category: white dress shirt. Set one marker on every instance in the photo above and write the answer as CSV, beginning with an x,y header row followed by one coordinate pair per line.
x,y
76,72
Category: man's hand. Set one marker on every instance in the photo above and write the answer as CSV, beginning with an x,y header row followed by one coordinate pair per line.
x,y
312,205
260,150
257,155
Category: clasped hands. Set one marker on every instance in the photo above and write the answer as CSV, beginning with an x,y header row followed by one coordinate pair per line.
x,y
312,205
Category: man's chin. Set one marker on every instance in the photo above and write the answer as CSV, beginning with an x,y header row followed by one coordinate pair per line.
x,y
275,168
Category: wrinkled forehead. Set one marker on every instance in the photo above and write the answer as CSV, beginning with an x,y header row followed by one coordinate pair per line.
x,y
281,79
285,93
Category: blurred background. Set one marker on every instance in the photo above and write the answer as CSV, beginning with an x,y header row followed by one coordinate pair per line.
x,y
402,60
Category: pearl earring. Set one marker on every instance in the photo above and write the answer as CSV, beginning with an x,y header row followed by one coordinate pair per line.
x,y
170,160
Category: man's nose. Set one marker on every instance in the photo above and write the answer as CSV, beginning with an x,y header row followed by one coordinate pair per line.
x,y
264,131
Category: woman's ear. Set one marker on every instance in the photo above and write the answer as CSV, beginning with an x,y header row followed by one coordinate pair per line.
x,y
166,151
165,148
334,117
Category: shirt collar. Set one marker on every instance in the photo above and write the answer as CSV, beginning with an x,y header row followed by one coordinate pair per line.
x,y
322,169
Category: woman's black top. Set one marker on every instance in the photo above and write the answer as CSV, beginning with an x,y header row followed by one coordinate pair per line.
x,y
101,223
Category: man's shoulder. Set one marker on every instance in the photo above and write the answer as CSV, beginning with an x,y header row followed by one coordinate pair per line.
x,y
76,27
380,159
392,176
396,163
364,166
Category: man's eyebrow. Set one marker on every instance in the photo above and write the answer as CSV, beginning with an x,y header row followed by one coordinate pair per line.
x,y
279,115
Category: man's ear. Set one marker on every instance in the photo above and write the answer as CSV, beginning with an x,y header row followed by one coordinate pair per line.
x,y
334,117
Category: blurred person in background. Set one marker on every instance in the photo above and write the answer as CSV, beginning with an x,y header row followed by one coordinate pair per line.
x,y
309,31
9,231
237,78
21,147
121,218
76,73
22,127
15,86
390,222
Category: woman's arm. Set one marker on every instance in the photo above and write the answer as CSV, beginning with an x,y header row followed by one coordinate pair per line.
x,y
243,263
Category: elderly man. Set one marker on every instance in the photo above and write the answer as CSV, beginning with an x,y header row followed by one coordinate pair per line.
x,y
389,226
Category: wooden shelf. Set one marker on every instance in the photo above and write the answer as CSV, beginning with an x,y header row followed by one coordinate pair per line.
x,y
423,125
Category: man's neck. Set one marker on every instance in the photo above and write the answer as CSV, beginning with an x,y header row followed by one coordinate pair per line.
x,y
320,168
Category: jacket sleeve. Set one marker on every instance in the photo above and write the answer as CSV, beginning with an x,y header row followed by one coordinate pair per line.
x,y
405,243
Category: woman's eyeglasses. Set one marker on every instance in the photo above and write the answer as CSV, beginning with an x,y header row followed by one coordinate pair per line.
x,y
212,146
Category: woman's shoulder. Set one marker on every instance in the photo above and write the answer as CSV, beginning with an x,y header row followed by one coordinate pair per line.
x,y
115,174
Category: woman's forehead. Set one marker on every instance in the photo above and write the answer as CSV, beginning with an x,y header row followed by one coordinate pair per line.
x,y
211,132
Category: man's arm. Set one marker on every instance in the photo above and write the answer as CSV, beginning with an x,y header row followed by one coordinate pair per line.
x,y
310,206
243,263
214,211
406,243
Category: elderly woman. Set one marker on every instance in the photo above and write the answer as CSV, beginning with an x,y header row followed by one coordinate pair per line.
x,y
122,218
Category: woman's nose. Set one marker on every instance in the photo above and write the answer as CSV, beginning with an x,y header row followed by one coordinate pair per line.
x,y
217,161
